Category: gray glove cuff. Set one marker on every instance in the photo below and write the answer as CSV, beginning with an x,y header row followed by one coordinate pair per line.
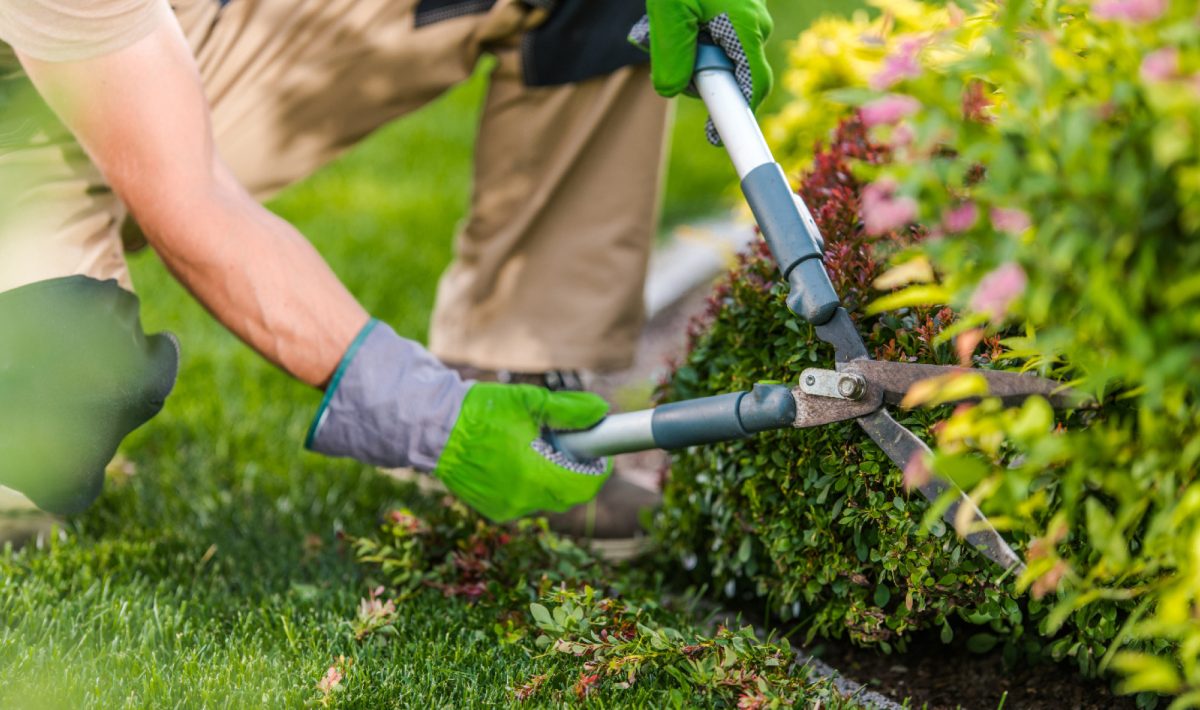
x,y
390,403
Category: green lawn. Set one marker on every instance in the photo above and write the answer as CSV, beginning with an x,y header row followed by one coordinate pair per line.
x,y
211,572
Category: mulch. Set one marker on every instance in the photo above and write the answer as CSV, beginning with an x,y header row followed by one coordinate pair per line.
x,y
938,676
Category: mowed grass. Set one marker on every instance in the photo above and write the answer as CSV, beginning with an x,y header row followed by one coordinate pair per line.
x,y
211,571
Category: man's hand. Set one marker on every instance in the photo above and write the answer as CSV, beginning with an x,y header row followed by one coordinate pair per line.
x,y
497,461
675,24
141,114
393,405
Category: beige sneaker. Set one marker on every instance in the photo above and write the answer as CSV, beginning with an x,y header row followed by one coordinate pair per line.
x,y
22,522
611,523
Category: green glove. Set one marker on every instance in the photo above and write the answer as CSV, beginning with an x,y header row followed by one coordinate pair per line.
x,y
497,462
674,25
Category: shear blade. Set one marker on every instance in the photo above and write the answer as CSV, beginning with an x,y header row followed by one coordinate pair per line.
x,y
1011,388
901,445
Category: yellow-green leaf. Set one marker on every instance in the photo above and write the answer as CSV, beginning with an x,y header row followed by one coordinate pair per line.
x,y
951,387
919,295
917,270
1144,672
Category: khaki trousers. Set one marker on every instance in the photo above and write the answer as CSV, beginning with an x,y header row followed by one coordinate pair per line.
x,y
550,262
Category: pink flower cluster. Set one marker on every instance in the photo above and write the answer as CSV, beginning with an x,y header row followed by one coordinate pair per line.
x,y
1009,219
1131,11
960,218
997,291
1160,65
882,211
899,65
888,110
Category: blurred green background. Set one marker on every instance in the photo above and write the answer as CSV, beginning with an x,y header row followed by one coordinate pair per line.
x,y
210,571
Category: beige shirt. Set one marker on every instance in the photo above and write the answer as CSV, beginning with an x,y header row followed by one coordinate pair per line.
x,y
69,30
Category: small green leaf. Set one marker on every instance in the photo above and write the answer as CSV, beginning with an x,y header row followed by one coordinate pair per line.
x,y
541,615
981,643
743,553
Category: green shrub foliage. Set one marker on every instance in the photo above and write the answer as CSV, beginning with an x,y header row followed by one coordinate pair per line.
x,y
818,521
1052,152
1072,132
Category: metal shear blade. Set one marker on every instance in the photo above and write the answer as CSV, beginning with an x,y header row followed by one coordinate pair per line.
x,y
859,389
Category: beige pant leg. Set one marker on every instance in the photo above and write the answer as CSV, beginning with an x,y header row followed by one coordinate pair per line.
x,y
57,218
294,83
57,215
550,264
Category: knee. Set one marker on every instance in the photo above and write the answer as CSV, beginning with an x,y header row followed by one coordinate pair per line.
x,y
77,374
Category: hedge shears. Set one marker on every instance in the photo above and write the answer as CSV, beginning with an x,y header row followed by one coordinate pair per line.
x,y
859,388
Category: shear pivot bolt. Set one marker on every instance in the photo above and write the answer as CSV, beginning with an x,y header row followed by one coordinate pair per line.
x,y
810,380
850,387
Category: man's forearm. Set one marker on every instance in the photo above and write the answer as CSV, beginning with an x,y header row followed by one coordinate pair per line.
x,y
257,275
141,114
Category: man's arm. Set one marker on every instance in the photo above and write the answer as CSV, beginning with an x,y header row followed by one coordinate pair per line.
x,y
142,116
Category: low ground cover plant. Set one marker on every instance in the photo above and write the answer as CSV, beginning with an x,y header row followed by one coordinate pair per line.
x,y
1049,149
591,631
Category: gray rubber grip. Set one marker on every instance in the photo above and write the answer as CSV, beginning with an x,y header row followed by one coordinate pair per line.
x,y
793,243
725,417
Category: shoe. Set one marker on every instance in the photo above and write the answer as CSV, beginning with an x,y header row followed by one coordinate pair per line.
x,y
611,523
22,522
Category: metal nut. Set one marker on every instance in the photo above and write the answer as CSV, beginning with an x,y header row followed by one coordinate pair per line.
x,y
850,387
810,380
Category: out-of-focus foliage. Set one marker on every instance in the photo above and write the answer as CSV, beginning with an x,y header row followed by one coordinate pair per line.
x,y
1052,150
1072,133
837,53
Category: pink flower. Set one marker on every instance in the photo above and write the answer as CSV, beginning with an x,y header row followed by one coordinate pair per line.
x,y
882,211
1160,65
1132,11
888,110
960,218
998,290
901,64
1011,220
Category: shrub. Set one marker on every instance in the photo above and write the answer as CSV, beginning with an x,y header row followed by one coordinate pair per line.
x,y
1051,148
818,521
1085,121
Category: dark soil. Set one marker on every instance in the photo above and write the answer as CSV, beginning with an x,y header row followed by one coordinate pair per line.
x,y
938,676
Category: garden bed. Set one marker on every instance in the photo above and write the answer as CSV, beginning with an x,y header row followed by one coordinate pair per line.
x,y
937,676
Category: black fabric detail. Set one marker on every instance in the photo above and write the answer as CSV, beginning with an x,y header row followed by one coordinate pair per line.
x,y
583,39
430,11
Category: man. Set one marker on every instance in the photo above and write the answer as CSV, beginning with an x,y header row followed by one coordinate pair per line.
x,y
183,117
